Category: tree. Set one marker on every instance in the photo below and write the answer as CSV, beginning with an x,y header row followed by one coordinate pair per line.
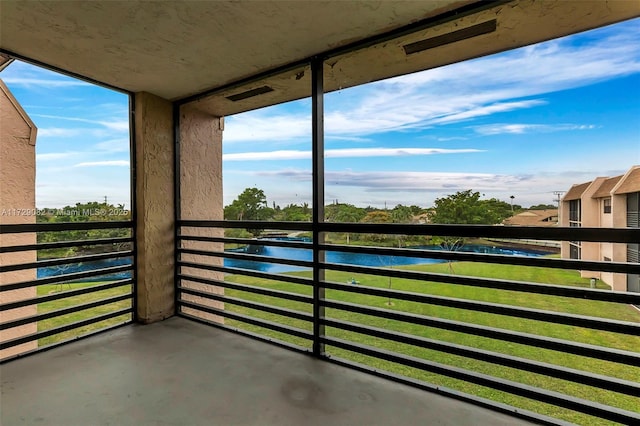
x,y
543,207
377,216
83,212
401,214
416,210
251,204
466,207
344,213
295,213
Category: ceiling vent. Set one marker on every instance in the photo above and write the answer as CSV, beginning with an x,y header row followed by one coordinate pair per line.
x,y
250,93
452,37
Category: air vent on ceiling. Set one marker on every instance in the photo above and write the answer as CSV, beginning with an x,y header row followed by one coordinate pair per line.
x,y
465,33
250,93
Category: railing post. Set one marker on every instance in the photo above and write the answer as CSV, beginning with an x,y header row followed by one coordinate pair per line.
x,y
317,124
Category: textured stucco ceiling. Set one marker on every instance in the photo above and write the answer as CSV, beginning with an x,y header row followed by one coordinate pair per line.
x,y
176,49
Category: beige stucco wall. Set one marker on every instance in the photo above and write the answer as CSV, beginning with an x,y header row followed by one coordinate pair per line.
x,y
201,197
17,205
154,171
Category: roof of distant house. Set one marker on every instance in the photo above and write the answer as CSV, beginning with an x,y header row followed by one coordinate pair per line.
x,y
548,217
576,191
630,182
606,187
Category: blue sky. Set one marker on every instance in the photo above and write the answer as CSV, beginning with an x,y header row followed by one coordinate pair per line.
x,y
525,123
82,147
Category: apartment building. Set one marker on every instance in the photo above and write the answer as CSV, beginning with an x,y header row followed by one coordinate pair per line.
x,y
605,202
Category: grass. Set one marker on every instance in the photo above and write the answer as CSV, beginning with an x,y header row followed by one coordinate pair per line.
x,y
80,315
552,303
519,273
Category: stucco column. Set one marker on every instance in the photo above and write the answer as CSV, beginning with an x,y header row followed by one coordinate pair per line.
x,y
201,196
154,170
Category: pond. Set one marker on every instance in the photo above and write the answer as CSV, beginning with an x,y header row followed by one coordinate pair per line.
x,y
361,258
294,254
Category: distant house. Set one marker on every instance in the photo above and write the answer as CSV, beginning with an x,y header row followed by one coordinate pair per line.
x,y
548,217
608,202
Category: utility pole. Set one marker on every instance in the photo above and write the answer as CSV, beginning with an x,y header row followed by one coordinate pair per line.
x,y
558,195
105,200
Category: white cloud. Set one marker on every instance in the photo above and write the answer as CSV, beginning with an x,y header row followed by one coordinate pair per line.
x,y
408,181
59,132
496,129
260,126
113,145
112,124
49,156
43,82
459,92
422,188
119,163
342,153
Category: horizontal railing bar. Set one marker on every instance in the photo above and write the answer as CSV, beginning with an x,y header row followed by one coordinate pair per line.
x,y
544,342
247,241
66,260
577,376
247,257
536,418
61,329
543,262
247,272
247,319
247,333
63,226
64,278
538,394
289,313
54,345
248,288
624,327
249,224
521,286
63,244
64,311
612,235
64,294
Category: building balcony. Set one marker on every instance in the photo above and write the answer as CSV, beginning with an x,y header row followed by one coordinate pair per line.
x,y
179,372
262,338
176,319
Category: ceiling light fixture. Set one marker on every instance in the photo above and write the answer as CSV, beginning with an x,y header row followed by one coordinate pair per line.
x,y
464,33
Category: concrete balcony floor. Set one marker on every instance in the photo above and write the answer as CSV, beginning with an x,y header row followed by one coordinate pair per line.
x,y
178,372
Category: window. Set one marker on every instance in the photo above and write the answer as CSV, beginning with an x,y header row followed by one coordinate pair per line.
x,y
574,213
606,204
633,210
574,250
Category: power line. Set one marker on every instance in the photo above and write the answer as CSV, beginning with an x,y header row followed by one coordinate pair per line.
x,y
558,195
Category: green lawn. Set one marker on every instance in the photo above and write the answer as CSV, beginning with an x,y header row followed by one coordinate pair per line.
x,y
80,315
519,273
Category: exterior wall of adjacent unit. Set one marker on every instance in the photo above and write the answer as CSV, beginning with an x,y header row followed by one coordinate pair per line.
x,y
17,206
603,203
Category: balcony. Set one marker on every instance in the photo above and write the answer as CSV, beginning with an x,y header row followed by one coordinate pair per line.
x,y
181,372
185,332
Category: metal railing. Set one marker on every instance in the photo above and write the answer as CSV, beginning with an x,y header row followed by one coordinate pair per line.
x,y
65,296
449,332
